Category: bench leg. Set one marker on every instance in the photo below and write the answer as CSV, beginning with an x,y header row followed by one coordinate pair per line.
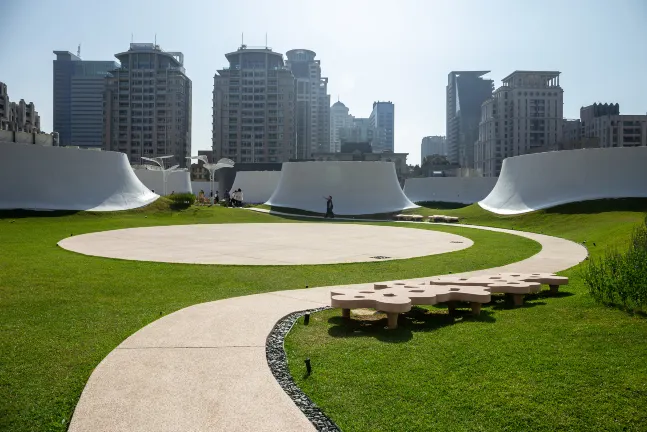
x,y
393,320
345,313
451,307
517,299
476,308
554,289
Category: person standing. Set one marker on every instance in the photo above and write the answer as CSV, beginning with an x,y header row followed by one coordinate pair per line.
x,y
329,207
239,197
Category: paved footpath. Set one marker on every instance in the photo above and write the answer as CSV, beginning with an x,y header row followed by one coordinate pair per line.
x,y
203,368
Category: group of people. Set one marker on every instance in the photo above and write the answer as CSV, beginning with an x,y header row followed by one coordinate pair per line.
x,y
235,197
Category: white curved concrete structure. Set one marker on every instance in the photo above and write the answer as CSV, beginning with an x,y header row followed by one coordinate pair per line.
x,y
357,188
542,180
176,181
58,178
257,186
464,190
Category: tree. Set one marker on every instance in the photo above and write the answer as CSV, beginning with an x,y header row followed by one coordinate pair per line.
x,y
435,160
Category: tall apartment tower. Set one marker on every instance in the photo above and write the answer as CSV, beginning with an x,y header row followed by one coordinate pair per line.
x,y
78,99
382,119
466,91
312,105
339,119
17,116
147,105
433,145
525,115
254,108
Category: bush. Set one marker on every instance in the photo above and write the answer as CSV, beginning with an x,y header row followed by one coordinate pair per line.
x,y
621,278
181,200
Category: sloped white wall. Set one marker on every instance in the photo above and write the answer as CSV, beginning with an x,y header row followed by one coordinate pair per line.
x,y
464,190
357,188
38,177
177,181
542,180
257,186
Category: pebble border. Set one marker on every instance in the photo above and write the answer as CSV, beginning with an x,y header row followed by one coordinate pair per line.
x,y
277,361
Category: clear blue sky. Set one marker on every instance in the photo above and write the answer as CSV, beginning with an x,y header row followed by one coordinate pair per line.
x,y
391,50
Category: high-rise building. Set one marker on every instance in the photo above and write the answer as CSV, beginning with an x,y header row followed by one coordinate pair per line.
x,y
433,145
525,115
17,116
382,120
466,91
78,99
339,119
254,108
312,103
359,130
147,105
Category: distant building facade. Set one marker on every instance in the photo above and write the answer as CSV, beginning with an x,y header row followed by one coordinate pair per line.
x,y
465,92
254,108
17,116
525,115
147,105
359,130
605,126
382,120
433,145
312,108
339,120
79,86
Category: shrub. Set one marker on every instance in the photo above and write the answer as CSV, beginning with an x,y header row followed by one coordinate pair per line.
x,y
621,278
182,200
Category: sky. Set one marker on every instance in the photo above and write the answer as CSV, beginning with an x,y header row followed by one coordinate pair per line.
x,y
399,51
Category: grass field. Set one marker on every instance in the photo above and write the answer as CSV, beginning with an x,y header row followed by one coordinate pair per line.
x,y
564,363
61,313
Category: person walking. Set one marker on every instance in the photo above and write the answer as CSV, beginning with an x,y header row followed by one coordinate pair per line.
x,y
217,198
239,197
329,207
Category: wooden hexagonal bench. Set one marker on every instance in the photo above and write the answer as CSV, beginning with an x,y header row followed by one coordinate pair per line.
x,y
398,297
552,280
495,284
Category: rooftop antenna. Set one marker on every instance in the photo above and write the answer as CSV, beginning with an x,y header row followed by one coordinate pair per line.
x,y
131,38
242,39
78,51
265,40
155,39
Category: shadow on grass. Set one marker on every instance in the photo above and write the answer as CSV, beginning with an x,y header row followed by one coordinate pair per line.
x,y
417,320
20,214
442,205
601,206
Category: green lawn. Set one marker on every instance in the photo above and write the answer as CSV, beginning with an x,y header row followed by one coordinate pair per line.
x,y
61,313
563,363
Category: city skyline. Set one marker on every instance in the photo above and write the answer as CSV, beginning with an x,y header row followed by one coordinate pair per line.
x,y
391,64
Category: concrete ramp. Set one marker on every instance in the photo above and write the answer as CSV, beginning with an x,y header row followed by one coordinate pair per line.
x,y
542,180
463,190
58,178
357,188
176,181
257,186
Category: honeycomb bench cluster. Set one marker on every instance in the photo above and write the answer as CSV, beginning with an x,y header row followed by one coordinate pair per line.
x,y
399,297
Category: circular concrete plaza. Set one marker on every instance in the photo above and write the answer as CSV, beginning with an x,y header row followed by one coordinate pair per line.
x,y
265,244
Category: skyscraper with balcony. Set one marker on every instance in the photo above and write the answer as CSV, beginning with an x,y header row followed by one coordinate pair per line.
x,y
312,103
78,99
147,105
525,115
382,120
466,91
254,108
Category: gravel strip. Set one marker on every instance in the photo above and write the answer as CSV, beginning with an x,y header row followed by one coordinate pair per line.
x,y
277,361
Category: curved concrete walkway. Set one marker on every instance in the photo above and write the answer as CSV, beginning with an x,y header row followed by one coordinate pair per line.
x,y
203,368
